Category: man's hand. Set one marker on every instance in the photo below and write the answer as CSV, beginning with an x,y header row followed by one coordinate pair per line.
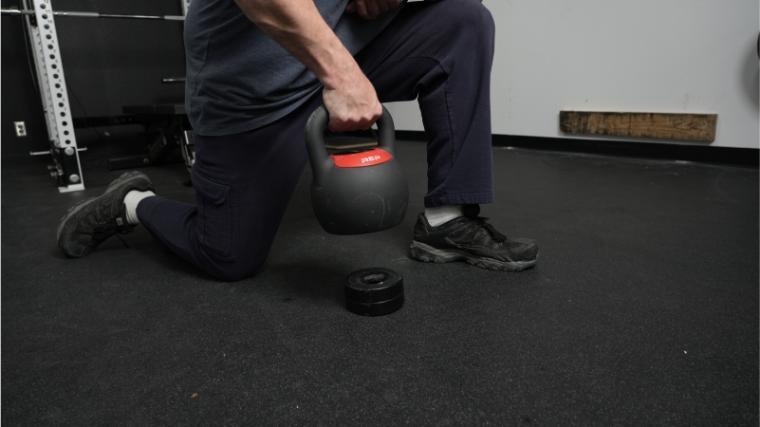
x,y
351,102
371,9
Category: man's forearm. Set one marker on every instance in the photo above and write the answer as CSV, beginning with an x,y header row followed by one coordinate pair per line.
x,y
297,25
299,28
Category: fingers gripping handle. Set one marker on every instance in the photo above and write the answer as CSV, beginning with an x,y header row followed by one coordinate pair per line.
x,y
315,139
386,132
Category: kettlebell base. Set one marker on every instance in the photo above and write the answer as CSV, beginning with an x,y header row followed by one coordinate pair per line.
x,y
361,200
350,231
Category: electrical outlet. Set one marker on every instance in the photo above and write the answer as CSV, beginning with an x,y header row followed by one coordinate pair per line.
x,y
20,129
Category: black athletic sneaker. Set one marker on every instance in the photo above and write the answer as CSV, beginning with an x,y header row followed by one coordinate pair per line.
x,y
470,238
89,223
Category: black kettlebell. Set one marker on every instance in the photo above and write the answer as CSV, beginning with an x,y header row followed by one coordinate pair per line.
x,y
360,192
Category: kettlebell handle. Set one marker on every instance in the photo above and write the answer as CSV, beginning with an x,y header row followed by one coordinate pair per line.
x,y
315,137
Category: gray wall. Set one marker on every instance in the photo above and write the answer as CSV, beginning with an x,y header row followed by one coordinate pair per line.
x,y
108,64
691,56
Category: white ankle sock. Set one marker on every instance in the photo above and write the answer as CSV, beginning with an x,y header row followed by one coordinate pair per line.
x,y
442,214
131,200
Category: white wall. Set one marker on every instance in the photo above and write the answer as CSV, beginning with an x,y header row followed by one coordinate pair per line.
x,y
695,56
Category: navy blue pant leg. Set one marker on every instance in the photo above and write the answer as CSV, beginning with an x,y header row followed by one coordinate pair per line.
x,y
242,185
438,52
441,54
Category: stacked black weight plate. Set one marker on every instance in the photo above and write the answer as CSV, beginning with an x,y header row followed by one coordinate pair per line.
x,y
374,291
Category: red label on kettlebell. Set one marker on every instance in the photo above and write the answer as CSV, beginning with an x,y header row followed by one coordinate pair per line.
x,y
363,159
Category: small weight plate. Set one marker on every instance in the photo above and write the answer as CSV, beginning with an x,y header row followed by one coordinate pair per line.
x,y
372,285
379,308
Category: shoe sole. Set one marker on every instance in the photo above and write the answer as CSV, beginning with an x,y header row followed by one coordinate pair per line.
x,y
65,220
74,210
427,253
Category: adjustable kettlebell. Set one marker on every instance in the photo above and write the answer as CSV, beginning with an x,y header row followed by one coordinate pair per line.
x,y
360,192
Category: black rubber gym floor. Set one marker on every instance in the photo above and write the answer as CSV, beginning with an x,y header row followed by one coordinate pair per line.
x,y
643,310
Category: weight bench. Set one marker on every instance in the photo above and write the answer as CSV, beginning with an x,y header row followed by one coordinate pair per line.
x,y
166,128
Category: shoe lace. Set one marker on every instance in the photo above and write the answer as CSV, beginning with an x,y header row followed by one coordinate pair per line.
x,y
482,222
472,212
103,230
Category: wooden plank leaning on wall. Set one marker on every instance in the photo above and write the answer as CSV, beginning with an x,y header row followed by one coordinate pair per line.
x,y
664,126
